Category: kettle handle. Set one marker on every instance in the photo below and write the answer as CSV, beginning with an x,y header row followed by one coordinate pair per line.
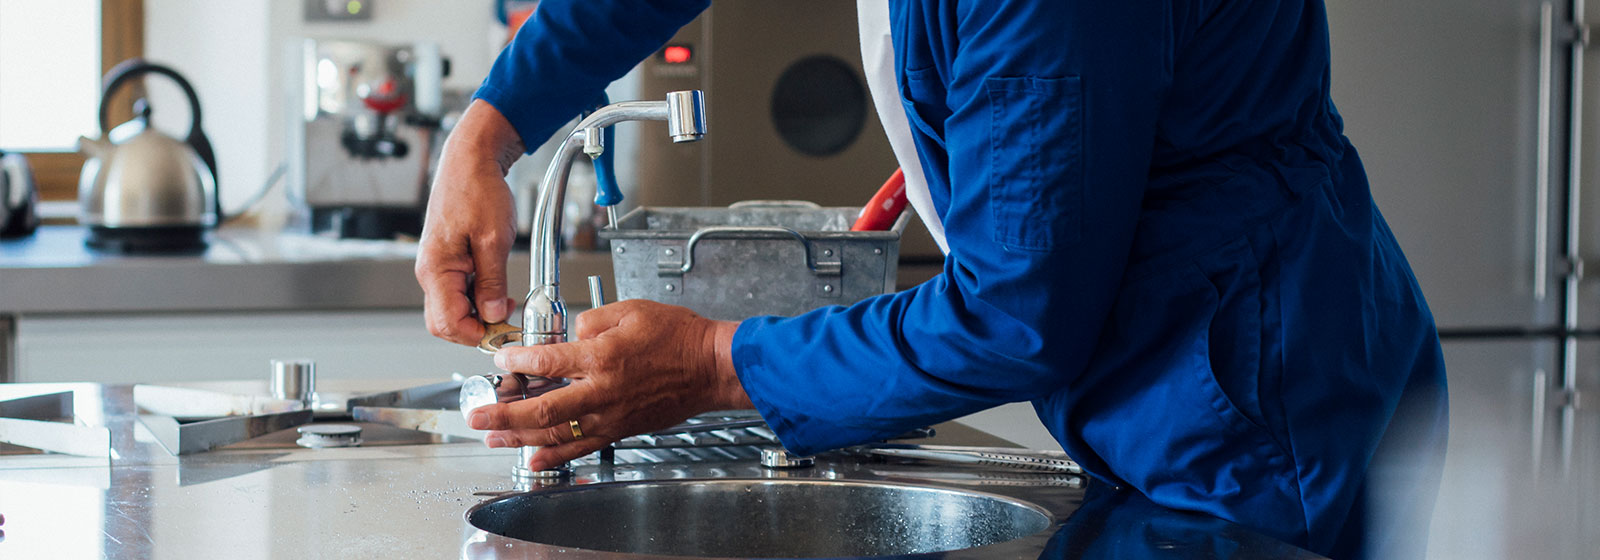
x,y
135,67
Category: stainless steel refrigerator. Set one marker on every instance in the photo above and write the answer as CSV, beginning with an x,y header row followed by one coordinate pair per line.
x,y
1477,121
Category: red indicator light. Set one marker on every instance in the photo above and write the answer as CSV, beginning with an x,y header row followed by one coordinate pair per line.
x,y
676,54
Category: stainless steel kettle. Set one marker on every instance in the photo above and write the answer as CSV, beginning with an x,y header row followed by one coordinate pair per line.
x,y
19,197
140,189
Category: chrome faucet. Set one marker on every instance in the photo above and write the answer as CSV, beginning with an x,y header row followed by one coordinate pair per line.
x,y
544,319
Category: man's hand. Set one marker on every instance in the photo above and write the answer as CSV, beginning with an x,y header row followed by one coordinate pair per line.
x,y
637,366
470,226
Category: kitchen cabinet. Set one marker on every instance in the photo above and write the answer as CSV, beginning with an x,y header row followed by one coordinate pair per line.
x,y
1472,118
72,314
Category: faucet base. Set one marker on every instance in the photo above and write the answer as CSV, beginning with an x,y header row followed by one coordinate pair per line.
x,y
525,478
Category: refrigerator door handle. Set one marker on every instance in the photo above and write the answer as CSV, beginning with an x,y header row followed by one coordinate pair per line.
x,y
1541,387
1541,220
1574,236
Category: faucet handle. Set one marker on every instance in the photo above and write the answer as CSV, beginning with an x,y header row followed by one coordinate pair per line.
x,y
491,388
597,292
477,391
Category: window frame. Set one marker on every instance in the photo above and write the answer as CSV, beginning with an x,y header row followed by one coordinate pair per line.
x,y
121,38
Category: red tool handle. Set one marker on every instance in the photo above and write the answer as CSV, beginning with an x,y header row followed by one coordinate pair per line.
x,y
885,207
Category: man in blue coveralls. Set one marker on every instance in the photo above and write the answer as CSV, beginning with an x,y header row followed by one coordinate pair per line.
x,y
1156,232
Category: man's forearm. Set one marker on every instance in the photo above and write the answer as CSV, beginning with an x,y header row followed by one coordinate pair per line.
x,y
484,135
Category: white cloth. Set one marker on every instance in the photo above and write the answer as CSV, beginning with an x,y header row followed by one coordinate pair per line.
x,y
877,58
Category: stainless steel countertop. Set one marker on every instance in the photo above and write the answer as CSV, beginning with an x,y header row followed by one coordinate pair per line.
x,y
258,500
53,271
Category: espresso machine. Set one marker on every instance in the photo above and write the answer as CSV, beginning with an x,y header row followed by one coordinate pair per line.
x,y
369,122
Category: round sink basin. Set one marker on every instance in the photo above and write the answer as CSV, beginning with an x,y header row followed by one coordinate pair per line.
x,y
760,518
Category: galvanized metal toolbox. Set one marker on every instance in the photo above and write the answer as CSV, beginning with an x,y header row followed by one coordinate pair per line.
x,y
752,258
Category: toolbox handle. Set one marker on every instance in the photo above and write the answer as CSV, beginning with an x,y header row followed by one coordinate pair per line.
x,y
776,204
819,268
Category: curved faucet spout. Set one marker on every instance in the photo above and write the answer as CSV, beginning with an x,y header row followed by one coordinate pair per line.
x,y
544,317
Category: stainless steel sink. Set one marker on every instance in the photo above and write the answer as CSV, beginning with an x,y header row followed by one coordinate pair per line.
x,y
761,518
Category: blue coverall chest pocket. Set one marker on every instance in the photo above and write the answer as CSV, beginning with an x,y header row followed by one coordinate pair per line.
x,y
1036,161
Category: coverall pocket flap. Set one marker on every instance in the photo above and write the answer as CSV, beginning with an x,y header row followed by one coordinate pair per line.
x,y
923,95
1036,161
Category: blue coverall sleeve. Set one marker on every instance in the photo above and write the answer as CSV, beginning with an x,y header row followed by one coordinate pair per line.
x,y
569,51
1034,121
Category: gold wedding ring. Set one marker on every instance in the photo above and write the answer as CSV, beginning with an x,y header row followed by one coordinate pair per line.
x,y
577,433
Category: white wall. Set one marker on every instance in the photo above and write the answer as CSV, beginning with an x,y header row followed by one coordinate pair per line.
x,y
217,48
236,56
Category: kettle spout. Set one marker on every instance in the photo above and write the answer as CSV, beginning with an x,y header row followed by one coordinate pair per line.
x,y
93,147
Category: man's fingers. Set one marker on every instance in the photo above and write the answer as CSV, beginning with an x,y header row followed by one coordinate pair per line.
x,y
538,437
493,308
489,282
556,455
548,360
551,409
598,320
446,308
541,437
